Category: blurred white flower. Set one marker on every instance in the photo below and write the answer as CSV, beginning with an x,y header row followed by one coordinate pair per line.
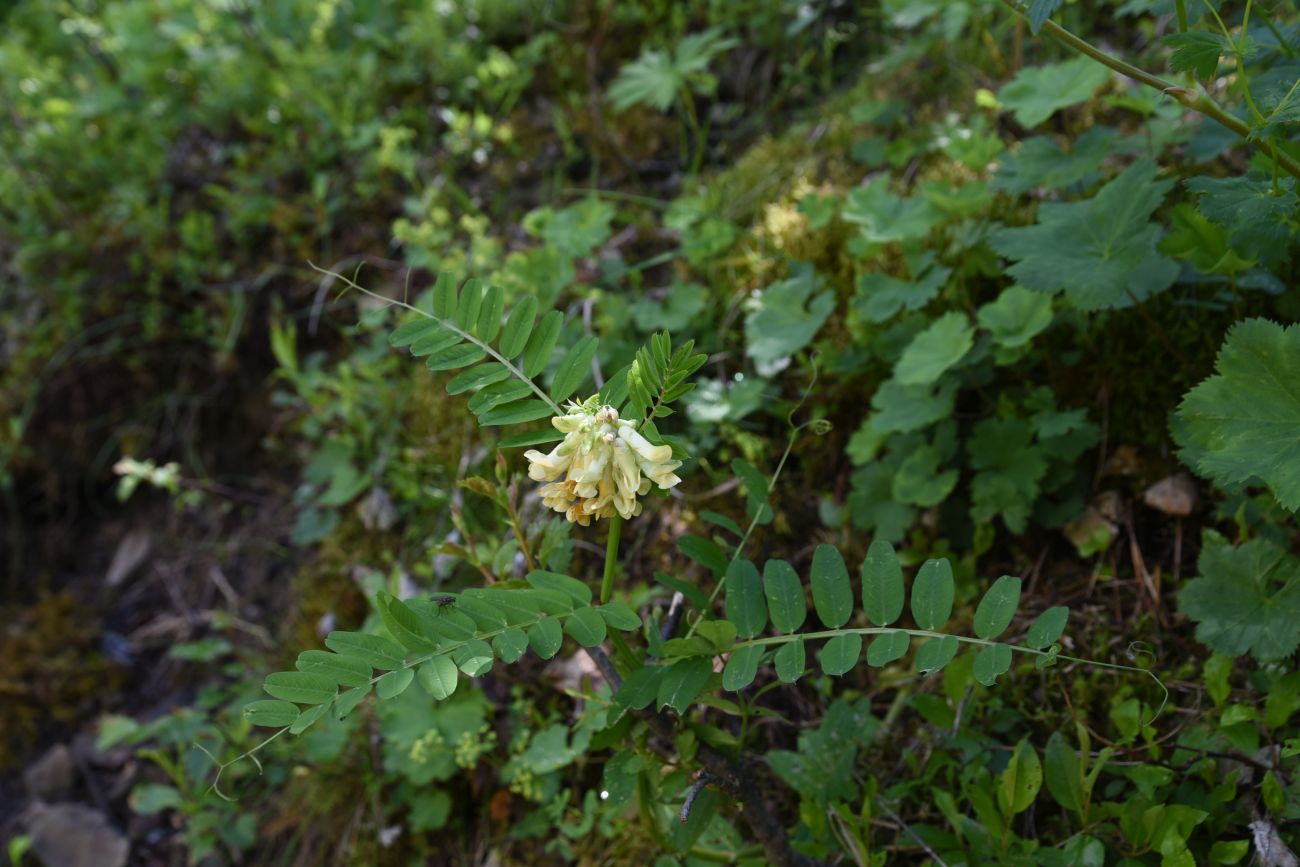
x,y
605,464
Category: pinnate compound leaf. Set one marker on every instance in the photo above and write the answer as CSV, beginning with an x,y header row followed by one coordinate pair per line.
x,y
348,701
574,368
887,647
271,713
745,604
300,687
1038,92
307,718
541,343
785,597
394,683
998,606
841,653
619,615
1101,252
936,653
343,670
831,591
546,637
882,584
1244,422
992,662
932,594
1246,599
790,662
519,325
586,627
510,644
1047,628
438,677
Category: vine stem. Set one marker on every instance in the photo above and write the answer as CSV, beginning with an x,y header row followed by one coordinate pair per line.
x,y
611,557
1198,101
455,329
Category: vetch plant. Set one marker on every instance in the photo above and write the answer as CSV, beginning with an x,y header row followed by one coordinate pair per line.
x,y
609,456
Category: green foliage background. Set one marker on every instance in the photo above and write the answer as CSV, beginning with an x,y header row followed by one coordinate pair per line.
x,y
970,304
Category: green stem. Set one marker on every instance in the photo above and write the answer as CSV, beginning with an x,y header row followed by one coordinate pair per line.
x,y
1200,102
611,557
1180,6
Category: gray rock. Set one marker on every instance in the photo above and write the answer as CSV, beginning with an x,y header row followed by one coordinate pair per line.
x,y
52,776
72,835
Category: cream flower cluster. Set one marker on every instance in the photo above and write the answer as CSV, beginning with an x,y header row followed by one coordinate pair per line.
x,y
604,462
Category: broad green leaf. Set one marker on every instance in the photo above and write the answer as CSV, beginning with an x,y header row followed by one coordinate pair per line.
x,y
1041,162
1038,92
574,368
882,584
789,661
1020,781
932,594
944,343
832,594
394,683
1244,421
936,653
1063,774
1193,237
541,343
453,357
1196,51
476,377
901,408
571,587
785,316
1101,251
514,337
510,644
1016,317
1047,628
546,637
883,217
887,647
343,670
1009,467
586,627
1246,599
841,653
620,616
489,314
640,687
272,714
919,480
516,413
682,682
1257,210
992,662
300,687
998,606
741,667
475,657
745,604
438,677
880,297
785,597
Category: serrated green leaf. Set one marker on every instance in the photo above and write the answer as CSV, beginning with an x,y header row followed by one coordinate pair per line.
x,y
1047,628
882,584
936,653
997,608
510,644
272,714
343,670
1244,422
586,627
932,594
786,316
1101,251
519,326
841,653
1038,92
1257,210
785,596
741,667
941,345
546,637
574,368
1246,599
300,687
1016,317
541,343
375,650
394,683
1196,51
887,647
453,357
682,682
991,662
477,377
920,482
489,314
789,661
438,677
832,594
745,604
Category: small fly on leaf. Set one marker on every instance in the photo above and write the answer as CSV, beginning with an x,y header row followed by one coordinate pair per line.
x,y
442,601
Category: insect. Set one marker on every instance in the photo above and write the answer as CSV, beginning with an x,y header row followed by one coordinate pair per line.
x,y
443,601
